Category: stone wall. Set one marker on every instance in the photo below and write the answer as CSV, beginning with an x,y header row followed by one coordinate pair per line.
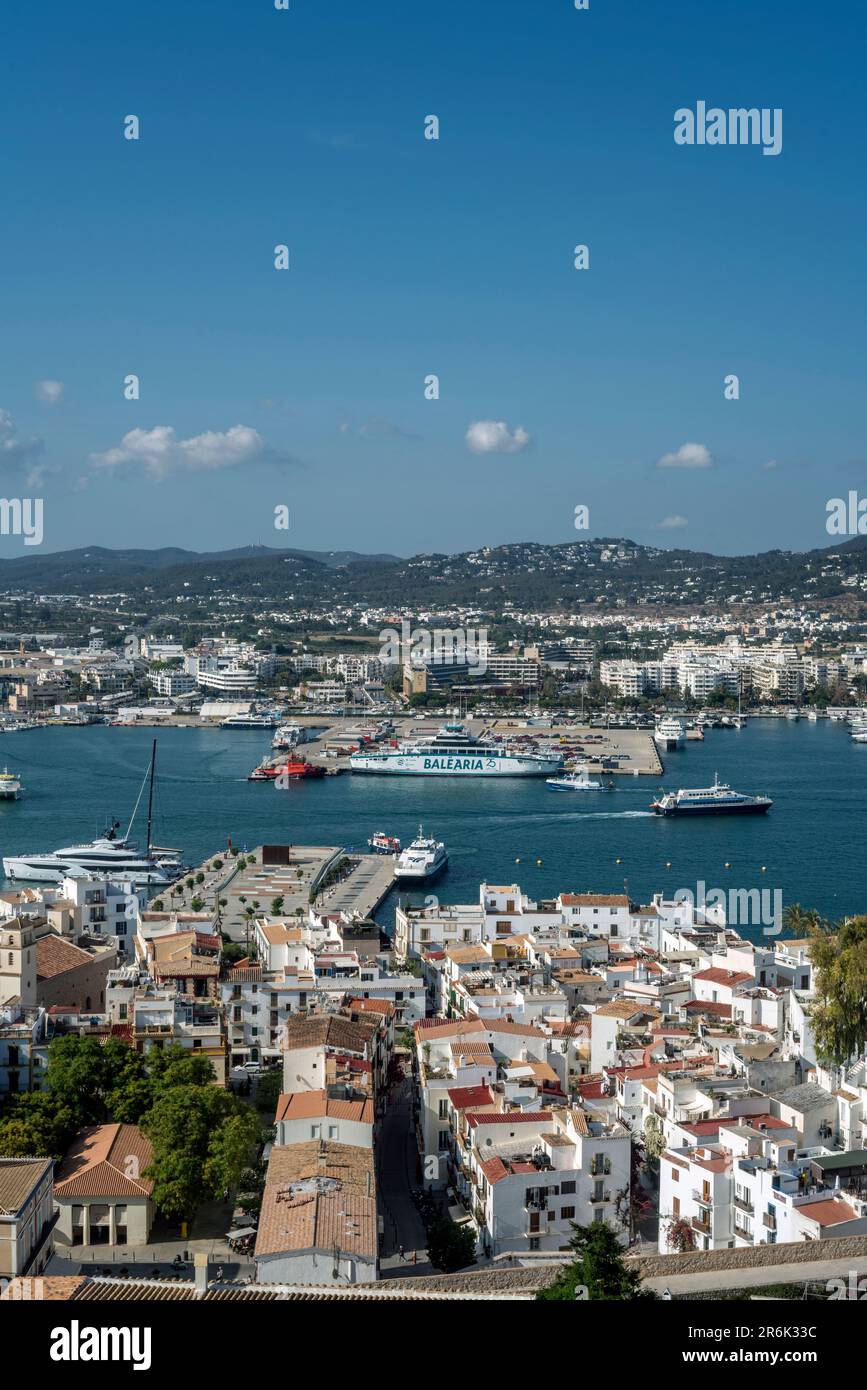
x,y
750,1257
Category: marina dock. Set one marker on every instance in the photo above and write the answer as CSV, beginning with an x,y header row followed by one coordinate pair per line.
x,y
634,749
339,880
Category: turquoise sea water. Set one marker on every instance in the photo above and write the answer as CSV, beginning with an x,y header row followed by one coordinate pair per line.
x,y
812,843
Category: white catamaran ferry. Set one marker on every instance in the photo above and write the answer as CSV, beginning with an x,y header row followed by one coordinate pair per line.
x,y
454,752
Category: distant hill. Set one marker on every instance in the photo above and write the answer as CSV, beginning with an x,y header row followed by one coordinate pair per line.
x,y
524,575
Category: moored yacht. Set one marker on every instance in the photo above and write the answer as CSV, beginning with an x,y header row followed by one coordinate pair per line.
x,y
108,855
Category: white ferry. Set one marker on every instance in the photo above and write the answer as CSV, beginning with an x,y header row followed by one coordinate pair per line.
x,y
669,733
10,785
424,858
454,752
718,800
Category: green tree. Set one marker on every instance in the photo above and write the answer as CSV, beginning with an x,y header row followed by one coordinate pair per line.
x,y
451,1246
196,1151
598,1268
654,1139
800,920
33,1123
269,1090
178,1066
230,1148
838,1013
82,1073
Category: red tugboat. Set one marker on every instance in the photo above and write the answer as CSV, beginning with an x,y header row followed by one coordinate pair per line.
x,y
296,768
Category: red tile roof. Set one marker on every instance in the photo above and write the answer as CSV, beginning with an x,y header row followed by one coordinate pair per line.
x,y
716,976
469,1097
100,1162
519,1117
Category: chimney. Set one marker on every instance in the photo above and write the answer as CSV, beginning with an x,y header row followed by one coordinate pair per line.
x,y
201,1262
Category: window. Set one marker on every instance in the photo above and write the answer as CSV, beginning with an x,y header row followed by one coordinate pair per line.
x,y
567,1213
443,1140
332,1131
567,1187
534,1243
675,1207
675,1175
315,1131
598,1216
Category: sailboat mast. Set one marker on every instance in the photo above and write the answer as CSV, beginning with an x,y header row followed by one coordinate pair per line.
x,y
151,794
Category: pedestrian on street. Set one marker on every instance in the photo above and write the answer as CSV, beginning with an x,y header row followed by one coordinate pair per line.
x,y
402,1256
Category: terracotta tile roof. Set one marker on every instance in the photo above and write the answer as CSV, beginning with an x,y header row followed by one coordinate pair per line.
x,y
523,1030
433,1028
830,1212
326,1030
619,1008
96,1164
717,976
318,1196
18,1178
704,1006
519,1117
52,1288
370,1006
594,900
278,934
54,956
470,1097
306,1105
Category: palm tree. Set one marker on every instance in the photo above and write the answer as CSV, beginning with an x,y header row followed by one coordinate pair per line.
x,y
800,920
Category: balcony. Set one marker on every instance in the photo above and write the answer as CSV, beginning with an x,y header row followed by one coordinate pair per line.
x,y
599,1166
597,1201
702,1224
769,1220
744,1204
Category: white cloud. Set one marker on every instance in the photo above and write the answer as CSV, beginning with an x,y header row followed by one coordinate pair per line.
x,y
495,437
14,450
770,466
160,452
687,456
672,523
49,392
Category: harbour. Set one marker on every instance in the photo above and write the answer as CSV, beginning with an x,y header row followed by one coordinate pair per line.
x,y
78,779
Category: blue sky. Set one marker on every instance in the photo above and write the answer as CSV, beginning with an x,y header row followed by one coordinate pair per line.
x,y
409,257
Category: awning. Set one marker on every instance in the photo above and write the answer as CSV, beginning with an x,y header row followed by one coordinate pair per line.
x,y
459,1215
244,1231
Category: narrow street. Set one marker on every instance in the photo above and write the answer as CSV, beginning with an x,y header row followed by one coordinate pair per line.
x,y
396,1176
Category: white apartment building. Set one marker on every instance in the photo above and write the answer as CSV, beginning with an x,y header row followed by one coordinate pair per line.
x,y
172,683
526,1177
